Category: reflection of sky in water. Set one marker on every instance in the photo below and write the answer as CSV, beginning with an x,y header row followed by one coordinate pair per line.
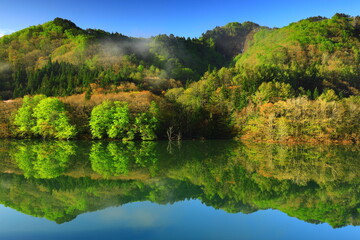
x,y
182,220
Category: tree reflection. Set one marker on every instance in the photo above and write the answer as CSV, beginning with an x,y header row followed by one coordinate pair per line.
x,y
46,159
313,183
119,158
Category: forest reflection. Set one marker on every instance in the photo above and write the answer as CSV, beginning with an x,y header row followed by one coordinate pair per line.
x,y
59,180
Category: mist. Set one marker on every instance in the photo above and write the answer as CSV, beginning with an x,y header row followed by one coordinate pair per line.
x,y
112,48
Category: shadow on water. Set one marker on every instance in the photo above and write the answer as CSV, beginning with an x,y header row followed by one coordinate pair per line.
x,y
59,180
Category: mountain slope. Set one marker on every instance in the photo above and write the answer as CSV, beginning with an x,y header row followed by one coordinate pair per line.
x,y
315,52
107,59
58,58
231,39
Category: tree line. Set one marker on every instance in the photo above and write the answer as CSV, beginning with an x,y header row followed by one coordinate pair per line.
x,y
46,117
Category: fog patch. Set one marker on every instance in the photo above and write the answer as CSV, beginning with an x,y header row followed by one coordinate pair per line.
x,y
110,48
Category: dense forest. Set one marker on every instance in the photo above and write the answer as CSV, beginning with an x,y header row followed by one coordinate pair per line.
x,y
299,83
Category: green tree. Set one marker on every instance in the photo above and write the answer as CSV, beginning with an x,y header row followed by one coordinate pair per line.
x,y
316,94
110,119
147,123
52,120
101,119
24,120
272,92
329,95
120,120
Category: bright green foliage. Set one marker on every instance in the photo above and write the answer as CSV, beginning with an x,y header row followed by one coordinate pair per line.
x,y
110,119
119,158
114,120
43,159
52,120
147,123
315,52
46,117
111,160
120,120
24,120
101,119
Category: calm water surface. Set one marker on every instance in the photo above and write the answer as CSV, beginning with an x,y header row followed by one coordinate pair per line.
x,y
187,190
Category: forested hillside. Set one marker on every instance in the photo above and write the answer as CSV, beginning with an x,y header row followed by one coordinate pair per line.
x,y
312,53
58,58
296,83
233,38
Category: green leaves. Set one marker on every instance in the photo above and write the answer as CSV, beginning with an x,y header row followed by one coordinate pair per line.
x,y
110,119
272,92
51,120
121,120
24,119
114,120
147,123
101,119
46,117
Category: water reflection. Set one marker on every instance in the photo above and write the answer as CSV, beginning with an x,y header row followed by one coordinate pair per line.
x,y
60,180
116,158
42,159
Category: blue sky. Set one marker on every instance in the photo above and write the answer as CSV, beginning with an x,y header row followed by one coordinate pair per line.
x,y
189,18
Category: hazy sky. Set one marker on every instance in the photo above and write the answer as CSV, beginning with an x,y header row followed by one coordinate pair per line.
x,y
189,18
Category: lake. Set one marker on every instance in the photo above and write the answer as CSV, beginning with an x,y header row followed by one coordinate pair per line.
x,y
178,190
